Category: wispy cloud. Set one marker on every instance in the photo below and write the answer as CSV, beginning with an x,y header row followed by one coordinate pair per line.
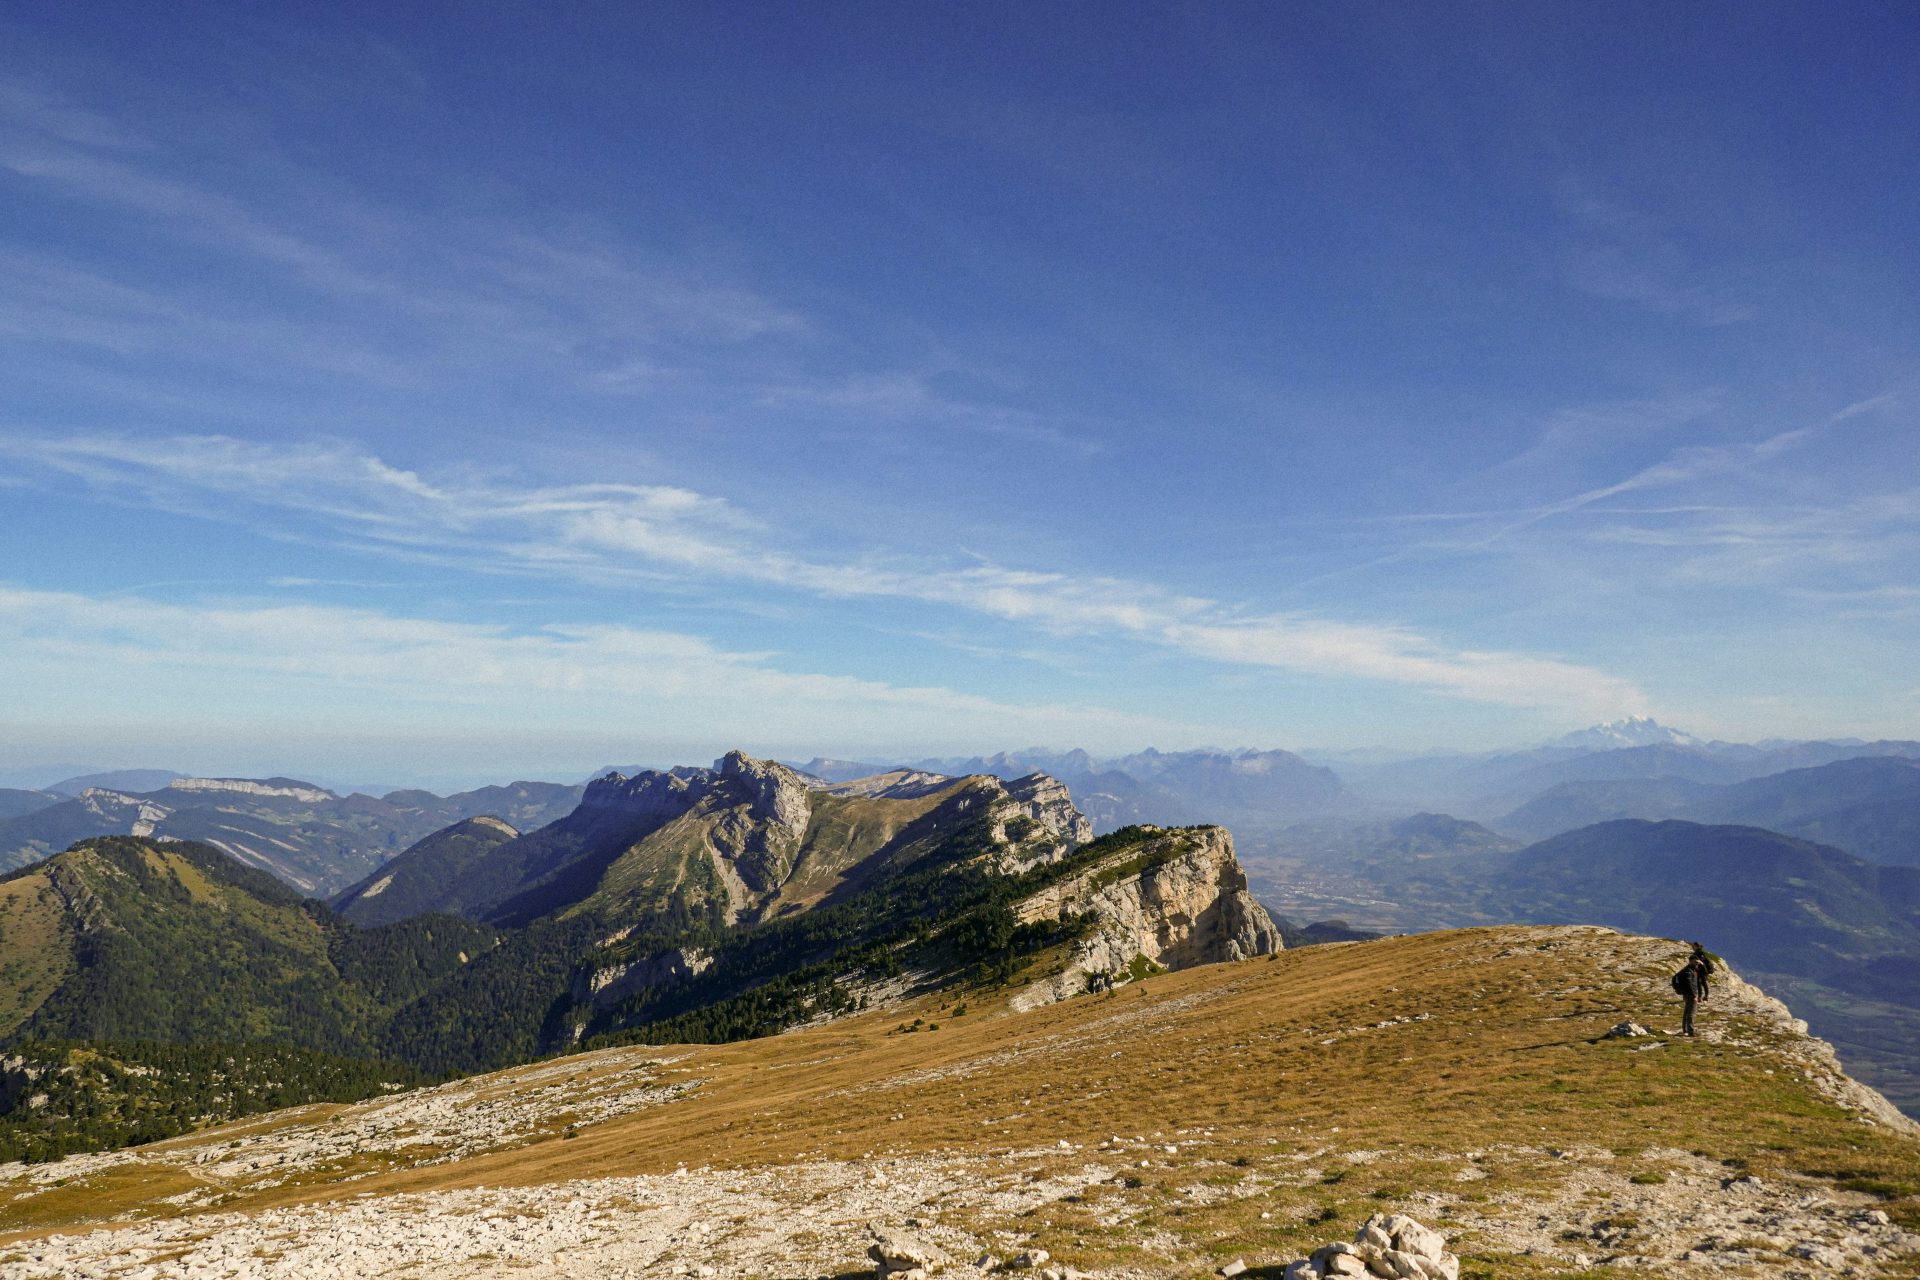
x,y
1863,551
304,253
904,397
142,656
296,271
638,533
1622,255
1577,433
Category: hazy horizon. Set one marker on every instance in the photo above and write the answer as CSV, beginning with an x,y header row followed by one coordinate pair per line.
x,y
39,774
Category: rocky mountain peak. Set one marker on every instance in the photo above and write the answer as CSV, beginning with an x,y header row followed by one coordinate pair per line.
x,y
1047,801
775,793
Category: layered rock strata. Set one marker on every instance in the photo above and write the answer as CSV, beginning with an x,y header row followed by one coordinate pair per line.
x,y
1176,899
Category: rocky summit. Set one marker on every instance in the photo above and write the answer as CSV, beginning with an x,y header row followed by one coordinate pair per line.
x,y
1401,1106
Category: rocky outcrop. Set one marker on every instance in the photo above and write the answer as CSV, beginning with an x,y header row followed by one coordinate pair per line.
x,y
1816,1058
898,1255
762,835
1045,799
1389,1245
1170,899
139,813
611,984
760,810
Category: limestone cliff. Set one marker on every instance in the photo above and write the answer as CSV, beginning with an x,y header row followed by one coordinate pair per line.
x,y
609,984
1170,899
1046,801
279,788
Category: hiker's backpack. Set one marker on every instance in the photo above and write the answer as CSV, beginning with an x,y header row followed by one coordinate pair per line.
x,y
1683,981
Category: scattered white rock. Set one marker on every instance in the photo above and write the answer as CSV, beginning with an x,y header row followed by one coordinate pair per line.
x,y
1392,1246
898,1254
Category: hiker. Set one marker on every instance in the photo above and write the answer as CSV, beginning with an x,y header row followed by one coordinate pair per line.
x,y
1691,982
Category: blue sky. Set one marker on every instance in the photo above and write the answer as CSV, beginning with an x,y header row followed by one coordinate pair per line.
x,y
452,391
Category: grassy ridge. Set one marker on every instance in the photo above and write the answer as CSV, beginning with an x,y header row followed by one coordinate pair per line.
x,y
1465,1070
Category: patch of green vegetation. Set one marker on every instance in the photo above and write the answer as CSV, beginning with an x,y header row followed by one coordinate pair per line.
x,y
57,1098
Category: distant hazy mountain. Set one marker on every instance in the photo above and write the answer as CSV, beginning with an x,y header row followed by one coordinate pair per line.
x,y
1868,806
35,777
1386,846
1297,935
1767,900
17,804
1567,806
829,770
1242,790
311,838
1485,786
115,780
525,805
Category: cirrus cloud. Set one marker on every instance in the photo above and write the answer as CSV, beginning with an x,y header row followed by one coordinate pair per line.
x,y
633,534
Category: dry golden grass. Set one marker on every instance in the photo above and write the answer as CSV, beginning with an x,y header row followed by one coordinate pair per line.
x,y
32,920
1491,1055
843,832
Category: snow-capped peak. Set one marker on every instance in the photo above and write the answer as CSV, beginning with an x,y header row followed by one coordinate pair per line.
x,y
1634,731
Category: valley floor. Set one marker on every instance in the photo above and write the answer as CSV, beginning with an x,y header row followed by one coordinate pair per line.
x,y
1246,1111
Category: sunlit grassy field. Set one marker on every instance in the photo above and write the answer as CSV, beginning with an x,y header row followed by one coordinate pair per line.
x,y
1260,1108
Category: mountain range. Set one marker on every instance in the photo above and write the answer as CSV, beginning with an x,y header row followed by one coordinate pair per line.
x,y
314,840
1629,768
1237,789
684,905
714,902
1486,786
1869,806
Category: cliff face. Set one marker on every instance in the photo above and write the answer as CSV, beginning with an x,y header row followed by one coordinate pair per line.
x,y
1176,899
281,788
1046,800
610,984
760,834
